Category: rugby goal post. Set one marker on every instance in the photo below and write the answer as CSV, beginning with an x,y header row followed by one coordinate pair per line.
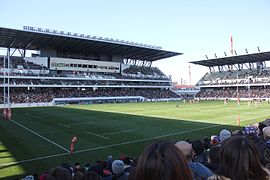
x,y
7,113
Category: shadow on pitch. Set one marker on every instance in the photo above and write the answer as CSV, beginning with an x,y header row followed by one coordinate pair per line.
x,y
147,129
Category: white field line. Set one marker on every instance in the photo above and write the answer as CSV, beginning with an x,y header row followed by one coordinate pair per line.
x,y
63,125
34,159
76,124
124,143
46,139
97,135
116,132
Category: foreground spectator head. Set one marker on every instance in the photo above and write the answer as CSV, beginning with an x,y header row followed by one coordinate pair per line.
x,y
198,146
77,165
43,176
87,166
91,175
78,175
109,158
29,177
59,173
214,140
261,126
199,170
207,143
186,149
214,158
224,134
266,132
214,154
162,160
117,166
267,122
239,160
249,131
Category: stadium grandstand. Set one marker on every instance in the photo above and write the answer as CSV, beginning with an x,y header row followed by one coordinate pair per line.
x,y
245,77
186,91
77,68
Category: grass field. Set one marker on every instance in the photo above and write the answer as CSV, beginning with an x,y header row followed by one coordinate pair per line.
x,y
38,139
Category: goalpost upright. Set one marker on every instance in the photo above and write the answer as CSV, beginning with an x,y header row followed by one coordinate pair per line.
x,y
6,90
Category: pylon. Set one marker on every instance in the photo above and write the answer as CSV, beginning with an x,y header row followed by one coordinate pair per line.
x,y
238,120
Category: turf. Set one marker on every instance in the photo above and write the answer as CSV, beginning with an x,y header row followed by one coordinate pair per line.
x,y
38,139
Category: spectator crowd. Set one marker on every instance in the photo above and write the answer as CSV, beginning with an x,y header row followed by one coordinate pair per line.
x,y
37,95
241,92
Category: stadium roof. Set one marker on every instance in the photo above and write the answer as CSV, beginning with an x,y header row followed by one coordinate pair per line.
x,y
37,40
240,59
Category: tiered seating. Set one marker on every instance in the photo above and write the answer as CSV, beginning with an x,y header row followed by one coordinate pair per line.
x,y
38,95
244,76
144,72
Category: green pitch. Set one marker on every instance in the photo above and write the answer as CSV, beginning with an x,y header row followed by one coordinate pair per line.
x,y
38,139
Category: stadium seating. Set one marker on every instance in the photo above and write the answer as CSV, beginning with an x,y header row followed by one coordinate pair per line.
x,y
20,95
31,82
245,83
244,76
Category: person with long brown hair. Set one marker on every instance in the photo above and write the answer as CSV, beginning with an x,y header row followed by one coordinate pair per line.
x,y
239,159
162,160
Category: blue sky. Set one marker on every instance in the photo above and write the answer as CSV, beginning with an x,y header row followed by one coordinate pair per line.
x,y
193,27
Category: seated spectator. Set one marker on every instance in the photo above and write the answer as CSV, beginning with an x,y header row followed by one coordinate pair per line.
x,y
127,164
59,173
91,175
264,152
109,162
77,167
214,158
207,143
266,134
100,168
29,177
199,170
224,134
78,175
267,121
43,176
239,160
87,166
214,140
260,127
200,155
118,170
162,160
